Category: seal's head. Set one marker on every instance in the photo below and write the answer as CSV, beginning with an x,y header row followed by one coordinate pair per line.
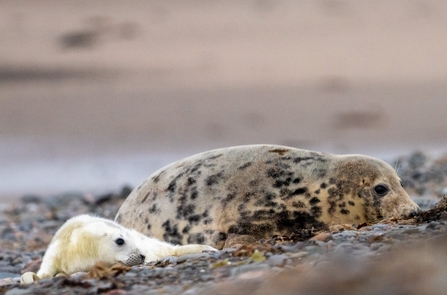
x,y
85,240
373,183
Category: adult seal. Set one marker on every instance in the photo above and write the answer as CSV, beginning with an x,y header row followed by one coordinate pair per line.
x,y
262,190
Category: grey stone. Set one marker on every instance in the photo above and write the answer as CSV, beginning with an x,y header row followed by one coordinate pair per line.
x,y
183,258
248,268
7,275
277,260
17,291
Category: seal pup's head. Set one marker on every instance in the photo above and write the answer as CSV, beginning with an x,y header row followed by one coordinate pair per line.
x,y
373,183
85,240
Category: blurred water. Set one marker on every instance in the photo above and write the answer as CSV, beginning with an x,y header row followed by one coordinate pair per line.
x,y
101,94
38,173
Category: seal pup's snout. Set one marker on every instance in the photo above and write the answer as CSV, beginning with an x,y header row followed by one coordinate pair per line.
x,y
135,258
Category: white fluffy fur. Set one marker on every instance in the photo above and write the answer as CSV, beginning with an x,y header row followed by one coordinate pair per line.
x,y
154,249
85,240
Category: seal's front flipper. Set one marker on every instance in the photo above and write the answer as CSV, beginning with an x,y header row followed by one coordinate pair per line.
x,y
29,278
191,249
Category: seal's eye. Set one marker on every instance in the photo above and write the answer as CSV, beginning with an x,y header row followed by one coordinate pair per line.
x,y
381,190
119,242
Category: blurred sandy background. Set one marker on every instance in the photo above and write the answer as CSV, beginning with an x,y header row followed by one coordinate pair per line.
x,y
97,94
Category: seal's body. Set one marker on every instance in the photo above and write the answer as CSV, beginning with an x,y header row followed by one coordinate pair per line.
x,y
262,190
85,240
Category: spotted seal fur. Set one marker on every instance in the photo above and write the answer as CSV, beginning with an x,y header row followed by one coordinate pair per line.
x,y
262,190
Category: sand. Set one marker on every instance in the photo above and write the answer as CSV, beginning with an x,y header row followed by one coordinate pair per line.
x,y
97,94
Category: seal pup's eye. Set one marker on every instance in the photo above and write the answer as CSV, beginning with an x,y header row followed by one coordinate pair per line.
x,y
381,190
119,242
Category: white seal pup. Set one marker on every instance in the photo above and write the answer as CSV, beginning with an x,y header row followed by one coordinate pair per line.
x,y
262,190
85,240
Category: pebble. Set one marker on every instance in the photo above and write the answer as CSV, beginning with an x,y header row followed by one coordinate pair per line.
x,y
263,267
7,275
184,258
278,260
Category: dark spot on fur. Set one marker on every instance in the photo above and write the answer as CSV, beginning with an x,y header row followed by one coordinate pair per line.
x,y
280,152
184,211
272,173
248,228
213,179
254,182
271,204
205,213
270,196
194,219
344,211
247,196
196,167
219,237
323,185
190,181
314,201
299,204
171,233
351,203
213,157
320,173
317,192
186,229
316,211
196,239
145,198
296,180
241,207
299,159
228,198
194,195
277,184
154,209
299,191
149,227
260,214
172,186
331,209
245,166
331,181
156,178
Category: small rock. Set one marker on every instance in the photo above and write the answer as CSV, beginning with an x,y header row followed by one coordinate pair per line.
x,y
183,258
257,256
249,268
412,231
278,260
12,280
323,237
4,275
17,291
375,246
